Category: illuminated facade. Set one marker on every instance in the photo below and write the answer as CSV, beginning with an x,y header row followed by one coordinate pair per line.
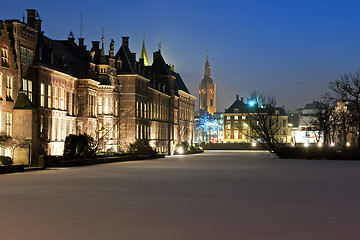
x,y
237,128
207,91
52,88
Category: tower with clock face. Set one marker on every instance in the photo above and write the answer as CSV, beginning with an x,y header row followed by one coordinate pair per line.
x,y
207,91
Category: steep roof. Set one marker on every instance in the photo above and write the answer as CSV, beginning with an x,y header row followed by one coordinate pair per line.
x,y
240,105
22,101
179,83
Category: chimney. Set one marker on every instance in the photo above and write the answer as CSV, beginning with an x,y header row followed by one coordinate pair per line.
x,y
31,17
95,45
242,99
237,97
81,41
125,41
37,21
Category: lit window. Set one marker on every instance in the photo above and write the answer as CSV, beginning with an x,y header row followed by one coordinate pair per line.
x,y
106,107
228,125
9,86
243,117
8,124
42,94
236,125
116,108
62,98
236,134
236,117
27,88
4,58
49,96
56,92
100,105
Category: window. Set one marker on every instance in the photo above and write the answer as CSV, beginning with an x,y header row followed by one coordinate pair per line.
x,y
67,101
9,83
42,125
100,105
236,125
62,98
49,96
106,107
228,125
236,134
56,93
4,58
284,123
30,57
228,134
243,117
27,88
116,112
42,95
227,117
8,124
236,117
211,102
23,55
73,104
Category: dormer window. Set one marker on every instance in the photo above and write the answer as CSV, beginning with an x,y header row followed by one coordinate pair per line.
x,y
236,110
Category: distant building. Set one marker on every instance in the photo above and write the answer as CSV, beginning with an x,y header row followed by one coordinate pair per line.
x,y
301,121
207,91
52,88
237,128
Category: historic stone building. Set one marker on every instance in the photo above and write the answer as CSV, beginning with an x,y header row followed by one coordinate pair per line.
x,y
52,88
207,91
237,128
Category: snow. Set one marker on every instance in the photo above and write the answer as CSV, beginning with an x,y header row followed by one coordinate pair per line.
x,y
215,195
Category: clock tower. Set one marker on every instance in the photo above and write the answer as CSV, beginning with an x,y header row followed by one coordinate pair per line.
x,y
207,91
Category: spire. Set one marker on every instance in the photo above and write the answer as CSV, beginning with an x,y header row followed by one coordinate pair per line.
x,y
143,53
102,54
207,75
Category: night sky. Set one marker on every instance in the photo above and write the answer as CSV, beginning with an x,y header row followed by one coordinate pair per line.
x,y
288,48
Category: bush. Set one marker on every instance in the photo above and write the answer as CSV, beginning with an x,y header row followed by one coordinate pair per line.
x,y
7,161
78,146
141,147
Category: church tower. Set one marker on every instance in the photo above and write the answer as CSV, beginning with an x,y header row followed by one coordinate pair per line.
x,y
207,90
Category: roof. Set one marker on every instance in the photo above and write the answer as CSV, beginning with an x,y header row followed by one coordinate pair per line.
x,y
240,105
179,83
23,102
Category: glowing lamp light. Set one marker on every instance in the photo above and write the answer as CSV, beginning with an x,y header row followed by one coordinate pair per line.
x,y
332,144
253,144
306,144
319,144
251,103
180,150
348,144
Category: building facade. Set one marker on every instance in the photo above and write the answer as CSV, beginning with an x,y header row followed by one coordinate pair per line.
x,y
53,88
237,127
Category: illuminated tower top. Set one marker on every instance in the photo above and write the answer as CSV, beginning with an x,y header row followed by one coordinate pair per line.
x,y
143,53
207,76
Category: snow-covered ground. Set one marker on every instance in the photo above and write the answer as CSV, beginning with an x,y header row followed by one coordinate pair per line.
x,y
216,195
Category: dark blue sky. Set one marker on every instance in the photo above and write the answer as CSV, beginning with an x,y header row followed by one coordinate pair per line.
x,y
287,48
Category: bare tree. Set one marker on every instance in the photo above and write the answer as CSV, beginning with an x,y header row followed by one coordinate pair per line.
x,y
264,121
323,120
347,88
